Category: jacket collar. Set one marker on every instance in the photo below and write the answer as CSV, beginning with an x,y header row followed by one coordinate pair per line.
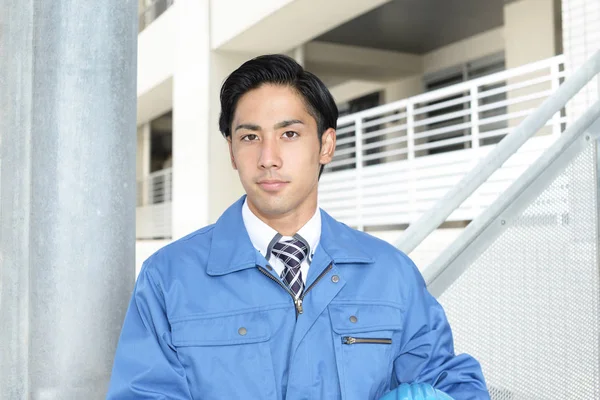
x,y
231,249
340,242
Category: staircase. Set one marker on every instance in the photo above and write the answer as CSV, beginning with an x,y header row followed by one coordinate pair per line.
x,y
520,285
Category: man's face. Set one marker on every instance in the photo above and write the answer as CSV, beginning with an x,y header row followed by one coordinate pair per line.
x,y
274,146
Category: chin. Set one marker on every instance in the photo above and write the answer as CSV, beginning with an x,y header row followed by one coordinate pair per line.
x,y
271,207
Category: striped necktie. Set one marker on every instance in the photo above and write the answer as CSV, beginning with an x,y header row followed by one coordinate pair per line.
x,y
292,253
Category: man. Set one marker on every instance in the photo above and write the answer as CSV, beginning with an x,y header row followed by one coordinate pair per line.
x,y
277,300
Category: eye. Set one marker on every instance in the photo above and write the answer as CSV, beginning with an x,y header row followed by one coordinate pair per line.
x,y
290,134
250,138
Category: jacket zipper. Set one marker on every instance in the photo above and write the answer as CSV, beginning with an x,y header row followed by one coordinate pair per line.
x,y
268,275
297,301
325,271
353,340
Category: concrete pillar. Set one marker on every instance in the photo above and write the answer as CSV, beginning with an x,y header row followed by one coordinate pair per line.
x,y
399,90
299,54
204,183
531,33
15,180
581,39
191,130
403,88
224,185
67,226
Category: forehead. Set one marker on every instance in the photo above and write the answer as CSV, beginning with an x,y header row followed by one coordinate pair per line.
x,y
271,102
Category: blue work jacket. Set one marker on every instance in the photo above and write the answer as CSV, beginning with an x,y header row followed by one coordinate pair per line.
x,y
209,319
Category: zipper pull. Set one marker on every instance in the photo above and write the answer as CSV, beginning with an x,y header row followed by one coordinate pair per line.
x,y
348,340
299,308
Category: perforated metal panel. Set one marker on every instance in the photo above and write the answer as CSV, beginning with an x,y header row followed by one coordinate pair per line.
x,y
528,307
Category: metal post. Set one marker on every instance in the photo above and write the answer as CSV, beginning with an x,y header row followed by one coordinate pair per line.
x,y
145,160
555,76
359,174
474,117
412,177
67,219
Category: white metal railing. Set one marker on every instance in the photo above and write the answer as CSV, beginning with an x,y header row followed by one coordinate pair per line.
x,y
394,162
152,9
544,115
153,213
521,283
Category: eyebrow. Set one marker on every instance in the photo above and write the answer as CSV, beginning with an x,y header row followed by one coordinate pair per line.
x,y
279,125
250,127
286,123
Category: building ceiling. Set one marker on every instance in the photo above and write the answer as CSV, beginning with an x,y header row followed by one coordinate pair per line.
x,y
418,26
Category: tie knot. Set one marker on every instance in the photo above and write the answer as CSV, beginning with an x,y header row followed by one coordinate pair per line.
x,y
291,252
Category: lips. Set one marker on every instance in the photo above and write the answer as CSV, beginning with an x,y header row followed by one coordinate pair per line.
x,y
272,185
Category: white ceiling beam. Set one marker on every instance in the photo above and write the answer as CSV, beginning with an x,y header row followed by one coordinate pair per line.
x,y
275,26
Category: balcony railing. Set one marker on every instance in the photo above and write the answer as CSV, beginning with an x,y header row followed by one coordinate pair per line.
x,y
153,212
396,161
152,10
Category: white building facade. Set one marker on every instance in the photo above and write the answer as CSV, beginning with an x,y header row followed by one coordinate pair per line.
x,y
435,83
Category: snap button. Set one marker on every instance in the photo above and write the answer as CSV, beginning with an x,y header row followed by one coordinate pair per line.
x,y
269,268
242,331
335,279
353,319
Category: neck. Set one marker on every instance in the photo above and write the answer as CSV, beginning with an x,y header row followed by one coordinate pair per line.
x,y
287,224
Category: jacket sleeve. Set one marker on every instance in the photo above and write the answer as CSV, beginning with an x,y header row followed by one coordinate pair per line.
x,y
146,364
427,350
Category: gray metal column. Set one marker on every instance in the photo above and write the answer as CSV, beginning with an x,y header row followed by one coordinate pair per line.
x,y
67,200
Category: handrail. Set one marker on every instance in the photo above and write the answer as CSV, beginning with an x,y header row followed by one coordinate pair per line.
x,y
439,275
431,220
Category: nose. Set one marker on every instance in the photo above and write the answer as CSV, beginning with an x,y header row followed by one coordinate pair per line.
x,y
270,156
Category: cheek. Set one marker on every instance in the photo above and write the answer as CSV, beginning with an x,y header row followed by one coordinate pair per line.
x,y
305,156
244,158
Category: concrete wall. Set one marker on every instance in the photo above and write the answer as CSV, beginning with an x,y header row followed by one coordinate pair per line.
x,y
530,31
472,48
403,88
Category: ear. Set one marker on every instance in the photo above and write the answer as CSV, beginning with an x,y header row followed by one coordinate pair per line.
x,y
231,153
327,146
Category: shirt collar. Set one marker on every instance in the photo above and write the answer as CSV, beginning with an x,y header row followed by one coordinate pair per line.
x,y
261,234
231,249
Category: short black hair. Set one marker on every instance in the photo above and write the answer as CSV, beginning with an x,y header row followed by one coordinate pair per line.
x,y
282,70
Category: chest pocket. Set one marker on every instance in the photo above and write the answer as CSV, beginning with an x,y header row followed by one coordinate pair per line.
x,y
365,340
226,357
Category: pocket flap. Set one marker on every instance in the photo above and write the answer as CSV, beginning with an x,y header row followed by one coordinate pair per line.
x,y
251,327
361,317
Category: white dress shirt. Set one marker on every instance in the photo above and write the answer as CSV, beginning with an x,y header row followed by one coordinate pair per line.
x,y
261,235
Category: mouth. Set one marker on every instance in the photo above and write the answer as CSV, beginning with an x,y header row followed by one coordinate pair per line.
x,y
272,185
